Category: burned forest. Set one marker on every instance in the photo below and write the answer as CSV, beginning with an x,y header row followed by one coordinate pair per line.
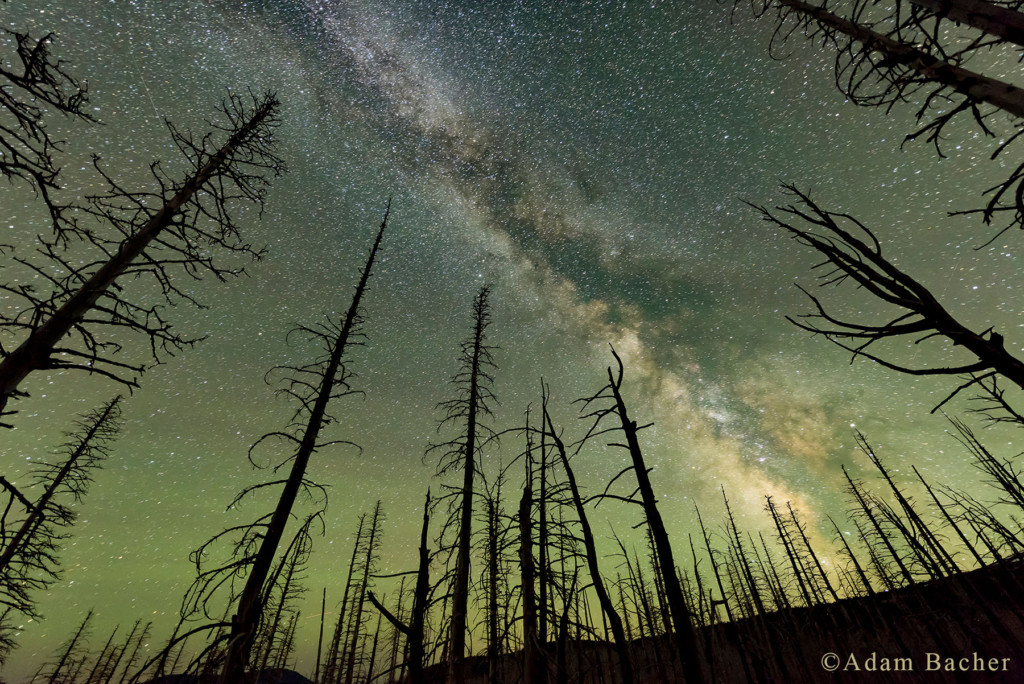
x,y
458,343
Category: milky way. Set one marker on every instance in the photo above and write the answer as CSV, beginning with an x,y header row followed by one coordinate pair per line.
x,y
590,164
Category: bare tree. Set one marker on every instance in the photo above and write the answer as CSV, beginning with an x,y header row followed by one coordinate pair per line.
x,y
333,667
314,386
890,51
368,561
852,252
607,607
70,653
32,81
176,226
473,385
29,560
414,631
615,410
254,546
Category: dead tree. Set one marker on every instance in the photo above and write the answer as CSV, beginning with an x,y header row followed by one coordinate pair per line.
x,y
178,225
879,68
415,630
256,544
29,560
140,638
534,671
861,575
32,81
607,606
878,535
369,554
924,540
494,545
684,636
906,50
332,668
473,384
287,578
69,653
852,252
314,386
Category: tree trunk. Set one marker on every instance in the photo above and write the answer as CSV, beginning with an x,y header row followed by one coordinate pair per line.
x,y
99,426
614,621
975,86
533,665
460,590
250,603
685,639
34,353
992,19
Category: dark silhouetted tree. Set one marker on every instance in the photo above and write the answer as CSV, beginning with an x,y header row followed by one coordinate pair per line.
x,y
333,666
314,386
852,252
71,654
683,631
590,550
368,555
473,385
415,630
32,82
917,51
255,546
31,544
179,225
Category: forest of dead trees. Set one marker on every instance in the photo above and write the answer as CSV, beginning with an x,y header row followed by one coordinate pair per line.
x,y
514,583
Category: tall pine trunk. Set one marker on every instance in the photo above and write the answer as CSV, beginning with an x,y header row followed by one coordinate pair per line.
x,y
250,604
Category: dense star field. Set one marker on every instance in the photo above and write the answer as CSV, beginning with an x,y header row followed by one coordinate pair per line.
x,y
590,165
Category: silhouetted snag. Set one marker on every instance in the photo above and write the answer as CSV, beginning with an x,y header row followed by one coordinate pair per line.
x,y
29,560
415,629
153,234
1002,473
256,545
543,566
772,577
867,510
900,67
861,575
473,382
98,670
330,377
68,656
860,259
608,608
887,52
417,622
685,640
35,81
991,403
140,638
320,638
926,545
272,640
988,17
369,553
533,663
735,540
493,547
820,578
332,668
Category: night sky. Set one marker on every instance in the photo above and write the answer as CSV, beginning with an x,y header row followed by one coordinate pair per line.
x,y
588,163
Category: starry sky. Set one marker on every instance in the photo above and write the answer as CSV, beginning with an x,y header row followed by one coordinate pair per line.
x,y
588,163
